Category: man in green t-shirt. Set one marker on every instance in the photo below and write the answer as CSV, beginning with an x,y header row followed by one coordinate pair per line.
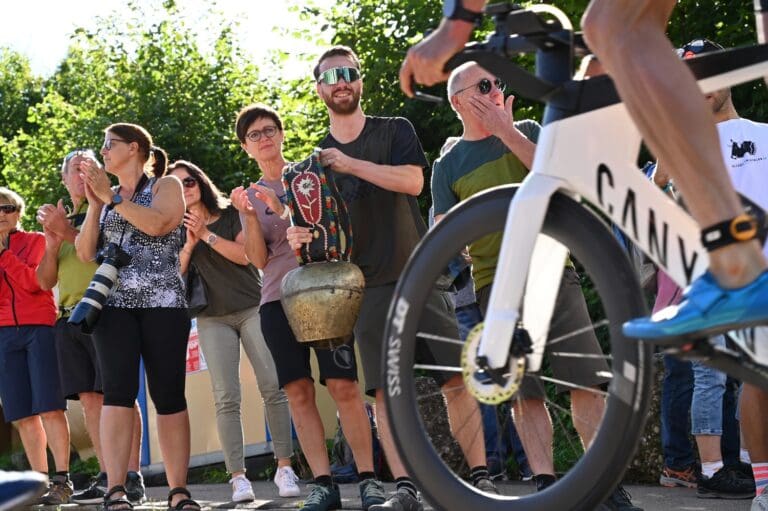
x,y
78,365
495,150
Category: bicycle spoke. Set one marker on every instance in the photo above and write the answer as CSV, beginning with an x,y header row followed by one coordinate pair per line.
x,y
574,385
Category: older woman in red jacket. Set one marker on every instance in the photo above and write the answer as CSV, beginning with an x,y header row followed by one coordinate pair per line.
x,y
29,374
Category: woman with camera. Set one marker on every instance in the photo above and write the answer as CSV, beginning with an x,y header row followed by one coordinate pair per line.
x,y
29,373
134,231
215,247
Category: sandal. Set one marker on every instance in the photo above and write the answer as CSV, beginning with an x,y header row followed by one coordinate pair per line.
x,y
118,504
184,504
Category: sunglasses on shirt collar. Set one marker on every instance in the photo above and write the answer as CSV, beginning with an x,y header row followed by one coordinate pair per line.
x,y
335,74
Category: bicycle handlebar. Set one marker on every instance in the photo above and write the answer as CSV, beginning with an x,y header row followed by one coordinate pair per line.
x,y
520,31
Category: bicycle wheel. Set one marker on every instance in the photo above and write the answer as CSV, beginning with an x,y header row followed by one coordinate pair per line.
x,y
585,477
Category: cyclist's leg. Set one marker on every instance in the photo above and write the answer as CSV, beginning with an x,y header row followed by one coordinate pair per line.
x,y
629,38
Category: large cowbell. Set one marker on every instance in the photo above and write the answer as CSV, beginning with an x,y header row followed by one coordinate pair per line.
x,y
322,297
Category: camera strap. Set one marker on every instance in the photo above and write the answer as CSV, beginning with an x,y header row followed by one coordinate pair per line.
x,y
139,188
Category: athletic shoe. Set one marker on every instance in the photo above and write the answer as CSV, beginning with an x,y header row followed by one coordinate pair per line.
x,y
687,478
371,493
619,500
18,489
59,492
399,501
286,480
134,487
725,485
706,310
95,493
760,503
242,491
322,498
544,481
484,484
743,470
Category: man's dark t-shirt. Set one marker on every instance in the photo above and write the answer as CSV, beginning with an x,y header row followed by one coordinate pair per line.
x,y
386,225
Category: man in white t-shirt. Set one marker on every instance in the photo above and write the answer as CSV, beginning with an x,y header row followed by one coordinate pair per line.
x,y
744,145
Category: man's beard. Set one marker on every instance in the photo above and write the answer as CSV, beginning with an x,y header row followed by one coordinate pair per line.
x,y
345,108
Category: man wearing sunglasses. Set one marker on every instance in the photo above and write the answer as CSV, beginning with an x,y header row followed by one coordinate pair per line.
x,y
663,98
377,164
496,150
79,369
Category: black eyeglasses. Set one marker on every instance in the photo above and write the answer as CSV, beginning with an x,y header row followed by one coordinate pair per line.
x,y
255,135
108,143
189,182
8,208
696,47
333,75
485,86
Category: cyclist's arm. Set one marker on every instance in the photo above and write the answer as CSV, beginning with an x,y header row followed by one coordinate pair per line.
x,y
425,61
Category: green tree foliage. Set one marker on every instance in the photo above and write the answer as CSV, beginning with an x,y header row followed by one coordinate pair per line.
x,y
19,90
148,68
154,75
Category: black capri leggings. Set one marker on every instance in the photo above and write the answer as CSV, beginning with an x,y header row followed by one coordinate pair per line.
x,y
123,336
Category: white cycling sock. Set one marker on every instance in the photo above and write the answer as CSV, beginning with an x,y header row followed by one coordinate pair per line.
x,y
708,468
744,456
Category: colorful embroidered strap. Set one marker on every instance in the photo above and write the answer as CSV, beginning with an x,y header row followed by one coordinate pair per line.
x,y
314,202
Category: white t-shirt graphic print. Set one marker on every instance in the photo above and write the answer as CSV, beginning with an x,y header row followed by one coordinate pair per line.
x,y
744,145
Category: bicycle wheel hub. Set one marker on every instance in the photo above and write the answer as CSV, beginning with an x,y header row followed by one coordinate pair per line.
x,y
485,389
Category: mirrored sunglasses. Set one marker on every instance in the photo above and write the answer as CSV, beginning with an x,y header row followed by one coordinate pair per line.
x,y
697,47
335,74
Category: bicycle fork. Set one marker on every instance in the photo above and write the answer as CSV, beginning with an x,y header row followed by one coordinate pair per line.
x,y
529,270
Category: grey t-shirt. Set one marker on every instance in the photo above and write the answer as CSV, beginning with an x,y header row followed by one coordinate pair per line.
x,y
280,257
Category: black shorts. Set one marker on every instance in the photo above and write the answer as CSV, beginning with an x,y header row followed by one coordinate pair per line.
x,y
570,314
439,320
292,357
78,365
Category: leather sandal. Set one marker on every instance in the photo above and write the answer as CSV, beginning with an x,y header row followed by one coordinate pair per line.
x,y
184,504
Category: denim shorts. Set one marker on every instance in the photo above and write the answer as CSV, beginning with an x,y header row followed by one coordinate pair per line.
x,y
29,372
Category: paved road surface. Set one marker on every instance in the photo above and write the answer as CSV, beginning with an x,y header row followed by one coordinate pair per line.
x,y
216,496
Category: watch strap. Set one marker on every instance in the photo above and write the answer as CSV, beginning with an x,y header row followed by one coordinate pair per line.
x,y
464,14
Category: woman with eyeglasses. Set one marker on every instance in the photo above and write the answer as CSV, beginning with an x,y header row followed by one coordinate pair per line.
x,y
215,246
145,315
266,218
29,374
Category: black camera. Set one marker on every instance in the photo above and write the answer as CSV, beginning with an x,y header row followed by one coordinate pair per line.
x,y
86,313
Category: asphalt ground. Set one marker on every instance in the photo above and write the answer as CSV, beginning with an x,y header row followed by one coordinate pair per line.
x,y
217,496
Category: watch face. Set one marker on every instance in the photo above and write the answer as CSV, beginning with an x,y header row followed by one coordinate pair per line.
x,y
117,198
448,7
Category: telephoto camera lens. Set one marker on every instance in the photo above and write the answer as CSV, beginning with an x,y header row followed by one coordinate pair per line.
x,y
87,311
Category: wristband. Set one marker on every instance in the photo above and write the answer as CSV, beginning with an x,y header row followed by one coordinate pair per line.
x,y
286,213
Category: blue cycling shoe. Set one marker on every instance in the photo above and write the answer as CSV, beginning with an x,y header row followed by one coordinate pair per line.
x,y
706,310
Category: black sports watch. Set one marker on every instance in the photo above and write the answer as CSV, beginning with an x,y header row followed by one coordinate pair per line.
x,y
454,10
116,199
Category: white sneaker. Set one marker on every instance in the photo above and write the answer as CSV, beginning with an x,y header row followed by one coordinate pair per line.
x,y
286,480
242,491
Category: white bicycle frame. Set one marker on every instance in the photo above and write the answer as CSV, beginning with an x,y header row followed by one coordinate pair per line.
x,y
591,156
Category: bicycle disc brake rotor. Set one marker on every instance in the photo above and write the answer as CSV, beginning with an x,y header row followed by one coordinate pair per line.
x,y
488,392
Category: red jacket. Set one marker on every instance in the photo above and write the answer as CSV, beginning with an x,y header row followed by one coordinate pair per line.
x,y
22,302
